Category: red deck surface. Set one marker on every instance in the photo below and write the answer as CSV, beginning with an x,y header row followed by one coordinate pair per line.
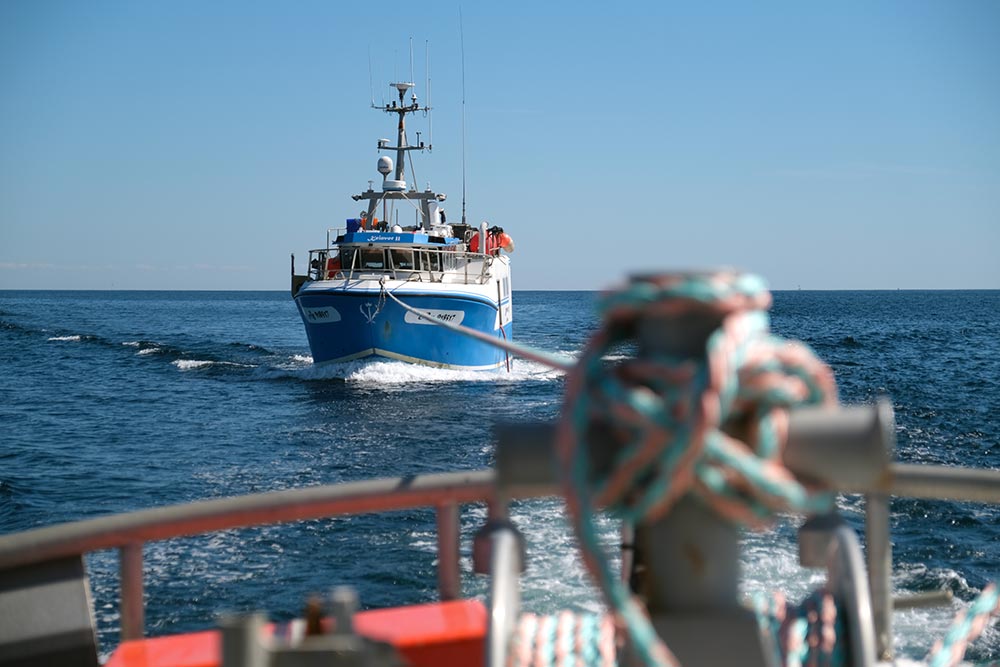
x,y
443,633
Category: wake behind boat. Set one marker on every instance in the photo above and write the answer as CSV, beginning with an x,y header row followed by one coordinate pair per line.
x,y
379,288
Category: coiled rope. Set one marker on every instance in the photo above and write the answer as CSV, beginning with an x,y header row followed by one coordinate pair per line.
x,y
803,634
563,639
668,414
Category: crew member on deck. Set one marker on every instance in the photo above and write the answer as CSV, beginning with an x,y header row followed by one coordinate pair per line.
x,y
366,225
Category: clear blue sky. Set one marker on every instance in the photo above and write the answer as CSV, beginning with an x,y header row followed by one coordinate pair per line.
x,y
195,145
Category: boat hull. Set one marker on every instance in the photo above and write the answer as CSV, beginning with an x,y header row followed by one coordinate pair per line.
x,y
348,322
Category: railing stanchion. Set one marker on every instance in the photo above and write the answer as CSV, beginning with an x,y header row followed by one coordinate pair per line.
x,y
449,581
133,613
880,571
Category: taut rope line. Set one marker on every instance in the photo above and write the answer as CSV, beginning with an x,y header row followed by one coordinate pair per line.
x,y
522,351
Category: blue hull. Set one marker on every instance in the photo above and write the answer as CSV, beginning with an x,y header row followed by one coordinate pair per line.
x,y
344,325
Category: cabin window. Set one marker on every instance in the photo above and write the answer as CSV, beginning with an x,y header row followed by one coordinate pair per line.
x,y
401,259
372,258
347,256
316,263
430,261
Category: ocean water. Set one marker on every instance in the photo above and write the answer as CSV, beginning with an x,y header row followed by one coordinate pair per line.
x,y
115,401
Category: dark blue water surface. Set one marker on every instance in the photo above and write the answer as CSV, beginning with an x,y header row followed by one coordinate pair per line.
x,y
114,401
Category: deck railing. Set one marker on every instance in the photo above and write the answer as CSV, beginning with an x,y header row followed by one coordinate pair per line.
x,y
428,264
130,532
445,492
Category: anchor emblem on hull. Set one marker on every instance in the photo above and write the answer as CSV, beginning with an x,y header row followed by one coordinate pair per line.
x,y
369,311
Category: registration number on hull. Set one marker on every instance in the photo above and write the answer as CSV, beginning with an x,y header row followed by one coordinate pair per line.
x,y
321,315
449,316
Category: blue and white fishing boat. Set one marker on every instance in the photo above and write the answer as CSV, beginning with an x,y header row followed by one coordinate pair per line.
x,y
383,287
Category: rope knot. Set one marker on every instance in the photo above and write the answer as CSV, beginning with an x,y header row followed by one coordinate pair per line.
x,y
700,409
673,410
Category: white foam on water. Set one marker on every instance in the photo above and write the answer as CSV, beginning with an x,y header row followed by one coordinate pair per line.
x,y
132,343
394,372
149,350
389,372
190,364
74,339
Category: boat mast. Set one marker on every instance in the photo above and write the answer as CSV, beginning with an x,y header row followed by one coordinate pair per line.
x,y
401,146
395,188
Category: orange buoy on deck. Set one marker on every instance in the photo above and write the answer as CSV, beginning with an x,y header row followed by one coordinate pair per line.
x,y
505,242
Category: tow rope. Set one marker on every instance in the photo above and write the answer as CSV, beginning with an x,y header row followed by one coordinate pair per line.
x,y
522,351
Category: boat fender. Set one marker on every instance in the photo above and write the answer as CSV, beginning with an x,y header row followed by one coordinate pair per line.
x,y
505,241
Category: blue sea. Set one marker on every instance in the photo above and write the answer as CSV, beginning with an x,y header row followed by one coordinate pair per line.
x,y
115,401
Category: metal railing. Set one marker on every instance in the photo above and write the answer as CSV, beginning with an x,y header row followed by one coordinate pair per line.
x,y
524,470
129,532
429,264
846,450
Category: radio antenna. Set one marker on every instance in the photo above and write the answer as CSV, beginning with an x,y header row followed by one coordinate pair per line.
x,y
461,33
411,60
430,107
371,85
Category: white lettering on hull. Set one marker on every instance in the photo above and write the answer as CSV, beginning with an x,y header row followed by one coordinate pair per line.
x,y
324,315
449,316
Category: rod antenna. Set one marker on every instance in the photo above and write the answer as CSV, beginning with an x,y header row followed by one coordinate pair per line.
x,y
371,84
411,60
430,107
461,33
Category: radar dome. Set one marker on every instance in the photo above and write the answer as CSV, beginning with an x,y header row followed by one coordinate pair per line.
x,y
385,165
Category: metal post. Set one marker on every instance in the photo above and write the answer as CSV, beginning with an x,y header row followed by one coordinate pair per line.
x,y
696,567
133,621
505,594
449,581
691,585
239,641
880,571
